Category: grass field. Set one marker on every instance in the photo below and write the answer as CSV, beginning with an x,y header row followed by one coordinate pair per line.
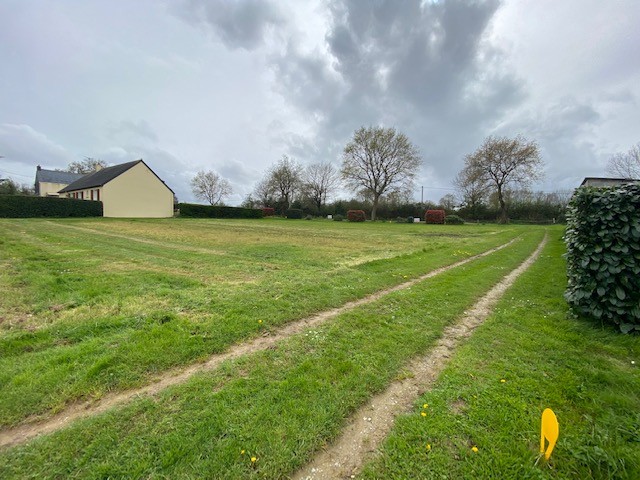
x,y
97,306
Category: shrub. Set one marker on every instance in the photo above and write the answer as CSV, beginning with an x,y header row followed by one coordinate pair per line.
x,y
22,206
410,219
401,220
434,216
193,210
356,216
294,213
338,218
603,254
268,211
453,220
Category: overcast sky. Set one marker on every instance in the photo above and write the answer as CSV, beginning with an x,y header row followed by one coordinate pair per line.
x,y
231,86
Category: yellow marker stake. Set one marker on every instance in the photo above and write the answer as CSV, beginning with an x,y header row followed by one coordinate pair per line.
x,y
549,430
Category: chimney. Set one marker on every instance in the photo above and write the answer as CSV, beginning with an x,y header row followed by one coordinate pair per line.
x,y
39,168
98,168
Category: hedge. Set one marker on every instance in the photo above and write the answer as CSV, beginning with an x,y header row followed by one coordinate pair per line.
x,y
453,220
356,216
268,211
192,210
22,206
603,254
434,216
295,213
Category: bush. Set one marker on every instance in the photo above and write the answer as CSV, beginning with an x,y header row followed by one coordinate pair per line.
x,y
192,210
268,211
434,216
453,220
356,216
338,218
603,254
21,206
401,220
294,213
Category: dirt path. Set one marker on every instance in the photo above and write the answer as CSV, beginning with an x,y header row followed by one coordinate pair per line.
x,y
22,433
371,424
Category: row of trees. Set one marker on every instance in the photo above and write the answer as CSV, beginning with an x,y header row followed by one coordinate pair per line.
x,y
377,161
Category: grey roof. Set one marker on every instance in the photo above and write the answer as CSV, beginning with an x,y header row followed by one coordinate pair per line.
x,y
55,176
99,178
605,182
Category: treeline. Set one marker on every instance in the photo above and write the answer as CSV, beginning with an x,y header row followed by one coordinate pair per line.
x,y
523,207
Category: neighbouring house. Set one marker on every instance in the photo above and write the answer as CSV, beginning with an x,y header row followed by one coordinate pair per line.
x,y
49,182
130,190
606,182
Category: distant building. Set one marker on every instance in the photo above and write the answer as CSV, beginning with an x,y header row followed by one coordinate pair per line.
x,y
606,182
130,190
49,182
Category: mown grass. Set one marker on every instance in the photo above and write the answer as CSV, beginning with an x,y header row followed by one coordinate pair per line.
x,y
278,406
547,358
99,305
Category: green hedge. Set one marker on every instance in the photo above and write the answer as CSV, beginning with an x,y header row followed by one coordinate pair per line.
x,y
295,213
193,210
21,206
603,254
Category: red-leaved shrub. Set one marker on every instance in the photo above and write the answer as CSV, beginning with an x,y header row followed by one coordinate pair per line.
x,y
268,211
356,216
434,216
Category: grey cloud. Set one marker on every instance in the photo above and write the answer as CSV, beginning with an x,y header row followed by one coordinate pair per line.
x,y
128,130
242,24
22,144
422,67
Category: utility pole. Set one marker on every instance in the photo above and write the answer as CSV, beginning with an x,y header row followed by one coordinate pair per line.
x,y
422,195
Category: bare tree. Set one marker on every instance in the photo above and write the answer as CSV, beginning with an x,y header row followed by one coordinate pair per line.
x,y
379,160
501,162
448,202
88,165
319,180
284,180
472,188
626,165
211,187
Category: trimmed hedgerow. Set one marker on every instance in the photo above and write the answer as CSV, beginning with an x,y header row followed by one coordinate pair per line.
x,y
295,213
603,254
338,218
193,210
453,220
434,216
356,216
22,206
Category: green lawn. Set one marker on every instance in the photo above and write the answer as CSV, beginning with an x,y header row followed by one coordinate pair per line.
x,y
101,305
279,406
282,405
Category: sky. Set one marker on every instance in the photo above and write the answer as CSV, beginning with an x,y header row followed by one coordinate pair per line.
x,y
232,86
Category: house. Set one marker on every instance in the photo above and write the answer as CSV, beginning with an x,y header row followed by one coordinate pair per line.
x,y
130,190
606,182
49,182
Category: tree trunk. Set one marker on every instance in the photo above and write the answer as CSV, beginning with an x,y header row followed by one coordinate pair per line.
x,y
503,218
374,209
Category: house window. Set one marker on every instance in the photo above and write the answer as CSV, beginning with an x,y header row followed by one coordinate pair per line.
x,y
98,194
81,195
